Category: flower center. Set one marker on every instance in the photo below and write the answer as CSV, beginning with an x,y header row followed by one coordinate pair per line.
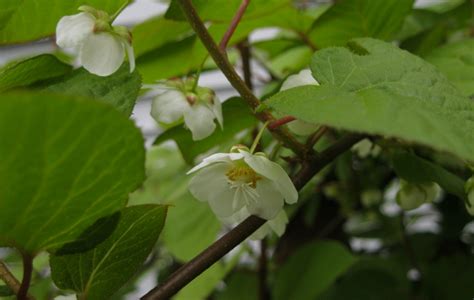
x,y
243,174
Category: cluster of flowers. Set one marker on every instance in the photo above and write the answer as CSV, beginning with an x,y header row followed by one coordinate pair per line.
x,y
236,184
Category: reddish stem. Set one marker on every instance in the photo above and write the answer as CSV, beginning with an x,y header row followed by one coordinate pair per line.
x,y
277,123
233,25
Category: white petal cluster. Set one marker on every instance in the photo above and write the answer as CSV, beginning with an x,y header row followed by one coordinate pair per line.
x,y
304,77
411,196
240,183
100,47
198,109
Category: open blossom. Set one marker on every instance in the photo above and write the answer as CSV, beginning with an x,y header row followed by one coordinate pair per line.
x,y
198,109
101,47
304,77
232,181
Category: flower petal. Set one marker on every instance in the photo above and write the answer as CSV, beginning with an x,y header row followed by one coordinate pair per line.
x,y
215,158
211,185
72,30
304,77
102,53
275,172
200,120
278,225
130,55
269,202
217,110
169,106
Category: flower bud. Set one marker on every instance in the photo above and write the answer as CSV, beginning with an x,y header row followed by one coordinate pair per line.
x,y
411,196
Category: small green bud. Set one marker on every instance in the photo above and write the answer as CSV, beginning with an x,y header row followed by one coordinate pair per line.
x,y
371,197
411,196
102,26
98,14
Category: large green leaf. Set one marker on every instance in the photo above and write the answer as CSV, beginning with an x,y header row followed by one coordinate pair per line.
x,y
349,19
237,117
25,72
100,272
380,89
418,170
119,89
311,270
66,162
456,61
22,21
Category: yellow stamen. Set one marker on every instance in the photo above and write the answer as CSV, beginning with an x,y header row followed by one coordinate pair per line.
x,y
243,174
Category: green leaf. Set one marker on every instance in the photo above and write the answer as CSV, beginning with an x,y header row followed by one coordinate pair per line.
x,y
317,266
237,117
194,227
66,162
5,291
360,18
241,285
26,72
418,170
456,61
157,32
23,21
119,89
380,89
100,272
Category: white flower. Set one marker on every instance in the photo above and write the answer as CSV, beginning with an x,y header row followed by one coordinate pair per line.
x,y
411,196
101,48
365,148
470,196
304,77
232,181
199,110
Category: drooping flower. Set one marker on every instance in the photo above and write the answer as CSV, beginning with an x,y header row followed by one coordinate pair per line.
x,y
231,181
411,195
100,46
470,195
198,108
304,77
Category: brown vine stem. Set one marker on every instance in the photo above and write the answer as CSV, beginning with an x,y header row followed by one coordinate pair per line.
x,y
226,67
225,244
280,122
27,272
233,25
8,278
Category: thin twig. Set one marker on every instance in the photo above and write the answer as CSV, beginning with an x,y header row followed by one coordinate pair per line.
x,y
280,122
7,277
233,25
228,70
315,137
263,292
27,272
226,243
245,55
307,41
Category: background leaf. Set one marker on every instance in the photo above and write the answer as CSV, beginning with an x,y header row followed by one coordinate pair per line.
x,y
349,19
23,21
310,270
100,272
456,61
67,162
32,70
377,88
